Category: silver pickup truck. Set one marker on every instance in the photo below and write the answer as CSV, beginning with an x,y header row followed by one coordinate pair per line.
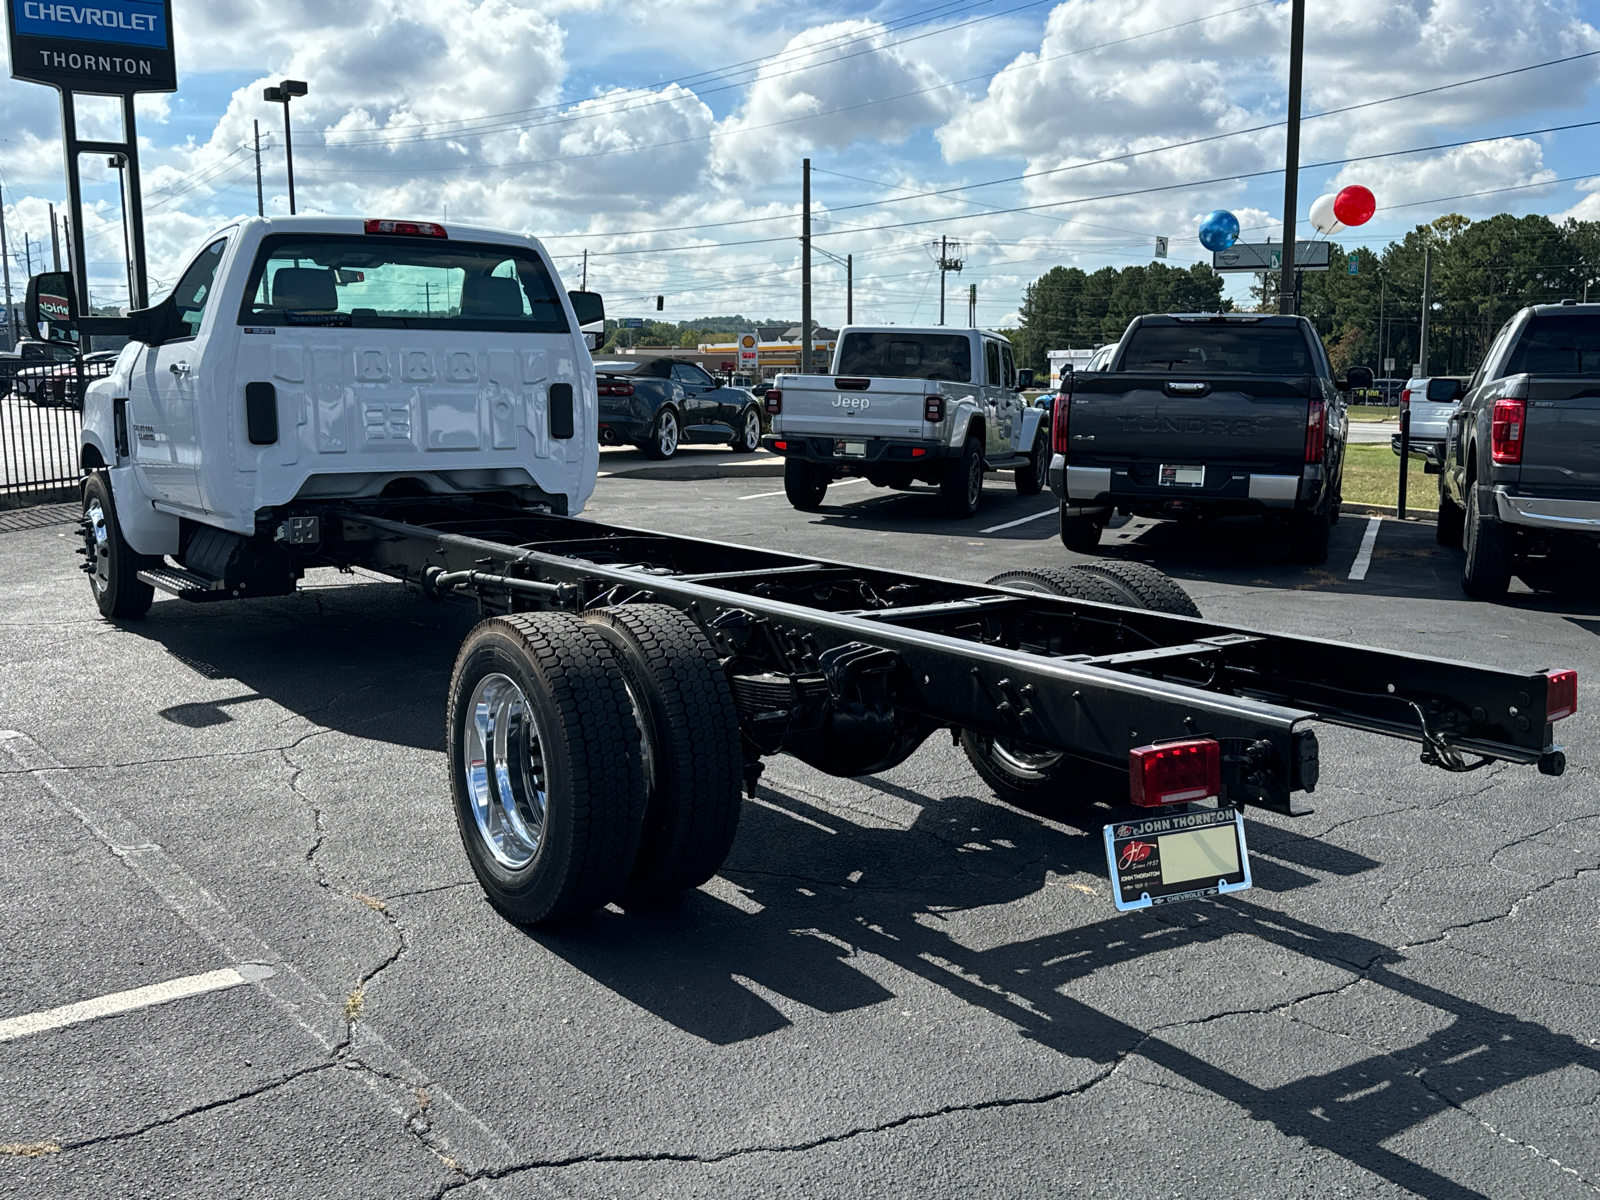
x,y
905,404
1521,478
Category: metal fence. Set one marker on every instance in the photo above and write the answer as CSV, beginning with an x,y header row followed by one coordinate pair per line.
x,y
41,416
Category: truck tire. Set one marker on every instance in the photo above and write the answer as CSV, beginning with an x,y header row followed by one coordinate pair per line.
x,y
1030,476
1071,582
1308,536
112,565
1079,533
1486,574
1036,779
805,484
1452,521
1142,586
961,482
665,434
693,756
546,771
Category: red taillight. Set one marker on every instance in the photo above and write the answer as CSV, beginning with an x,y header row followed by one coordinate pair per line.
x,y
1405,397
780,445
1505,429
407,228
933,409
1560,695
1316,429
774,399
1058,428
919,451
1175,773
616,389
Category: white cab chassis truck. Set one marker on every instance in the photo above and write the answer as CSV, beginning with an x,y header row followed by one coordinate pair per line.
x,y
420,402
907,404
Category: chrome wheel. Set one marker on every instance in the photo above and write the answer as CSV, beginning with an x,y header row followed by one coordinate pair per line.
x,y
1023,758
504,763
97,538
667,434
752,432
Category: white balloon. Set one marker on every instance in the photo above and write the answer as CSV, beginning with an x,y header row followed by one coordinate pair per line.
x,y
1322,218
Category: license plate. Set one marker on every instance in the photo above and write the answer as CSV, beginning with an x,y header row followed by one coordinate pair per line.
x,y
843,449
1184,856
1178,476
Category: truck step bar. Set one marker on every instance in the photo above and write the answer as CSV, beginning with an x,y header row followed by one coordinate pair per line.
x,y
187,585
862,650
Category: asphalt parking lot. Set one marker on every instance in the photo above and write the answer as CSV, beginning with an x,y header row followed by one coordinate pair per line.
x,y
896,987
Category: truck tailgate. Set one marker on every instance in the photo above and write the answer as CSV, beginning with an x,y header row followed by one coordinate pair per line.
x,y
874,407
1561,450
1123,418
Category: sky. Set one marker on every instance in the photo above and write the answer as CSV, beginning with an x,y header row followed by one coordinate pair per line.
x,y
667,139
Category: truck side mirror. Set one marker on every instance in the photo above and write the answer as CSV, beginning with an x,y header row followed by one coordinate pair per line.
x,y
1358,379
51,308
1444,390
1024,378
588,307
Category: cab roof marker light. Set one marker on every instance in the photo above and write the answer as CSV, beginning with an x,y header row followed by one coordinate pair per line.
x,y
1561,696
1175,772
406,228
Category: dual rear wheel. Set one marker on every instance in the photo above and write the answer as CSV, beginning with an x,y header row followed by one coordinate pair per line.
x,y
593,760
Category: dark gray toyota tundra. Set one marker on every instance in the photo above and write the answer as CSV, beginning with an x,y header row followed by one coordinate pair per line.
x,y
1205,415
1521,477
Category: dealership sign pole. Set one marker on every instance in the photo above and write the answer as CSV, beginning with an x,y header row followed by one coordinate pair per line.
x,y
113,48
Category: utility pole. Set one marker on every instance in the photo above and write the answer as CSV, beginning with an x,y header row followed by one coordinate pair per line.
x,y
805,268
5,263
1383,283
946,264
1427,297
850,289
55,237
972,306
1287,292
120,163
261,206
585,271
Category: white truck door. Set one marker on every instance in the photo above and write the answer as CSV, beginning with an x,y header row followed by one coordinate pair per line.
x,y
163,395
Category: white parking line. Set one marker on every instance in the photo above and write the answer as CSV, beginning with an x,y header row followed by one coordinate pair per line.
x,y
1049,512
1358,569
120,1002
836,483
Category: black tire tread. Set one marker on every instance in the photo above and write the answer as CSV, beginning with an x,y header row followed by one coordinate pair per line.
x,y
599,741
1081,535
1062,581
953,481
1144,586
127,596
692,818
800,485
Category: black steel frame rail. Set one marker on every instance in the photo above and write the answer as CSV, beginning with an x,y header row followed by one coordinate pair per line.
x,y
1094,680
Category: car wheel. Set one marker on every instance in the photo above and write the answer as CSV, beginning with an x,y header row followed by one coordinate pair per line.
x,y
748,438
1452,521
1487,572
1030,476
112,565
961,486
664,435
804,483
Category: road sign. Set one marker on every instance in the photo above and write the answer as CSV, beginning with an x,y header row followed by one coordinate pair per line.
x,y
1353,264
1161,247
631,323
1388,366
749,353
1268,256
110,47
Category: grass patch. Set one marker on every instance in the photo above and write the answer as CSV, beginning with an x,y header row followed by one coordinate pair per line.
x,y
353,1003
30,1149
1372,476
1373,412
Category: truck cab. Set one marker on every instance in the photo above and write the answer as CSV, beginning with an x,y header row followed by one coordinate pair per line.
x,y
306,359
907,404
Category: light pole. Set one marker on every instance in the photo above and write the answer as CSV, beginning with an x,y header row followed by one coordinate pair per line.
x,y
119,163
282,94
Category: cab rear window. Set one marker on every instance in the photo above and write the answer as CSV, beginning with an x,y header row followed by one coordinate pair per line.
x,y
393,283
1237,350
907,356
1558,345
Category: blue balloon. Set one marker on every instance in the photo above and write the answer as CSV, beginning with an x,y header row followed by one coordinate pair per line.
x,y
1219,230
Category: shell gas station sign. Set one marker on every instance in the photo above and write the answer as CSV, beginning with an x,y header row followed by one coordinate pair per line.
x,y
749,353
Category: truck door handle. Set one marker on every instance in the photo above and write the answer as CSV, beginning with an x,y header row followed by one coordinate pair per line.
x,y
179,368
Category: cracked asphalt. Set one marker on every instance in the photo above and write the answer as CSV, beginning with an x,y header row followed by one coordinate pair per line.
x,y
897,987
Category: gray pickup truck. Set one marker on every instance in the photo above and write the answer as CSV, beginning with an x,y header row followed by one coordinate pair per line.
x,y
1203,415
1521,478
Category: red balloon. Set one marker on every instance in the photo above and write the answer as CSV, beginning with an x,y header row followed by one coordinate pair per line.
x,y
1354,205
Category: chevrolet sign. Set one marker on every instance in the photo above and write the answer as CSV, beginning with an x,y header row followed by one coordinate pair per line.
x,y
115,47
